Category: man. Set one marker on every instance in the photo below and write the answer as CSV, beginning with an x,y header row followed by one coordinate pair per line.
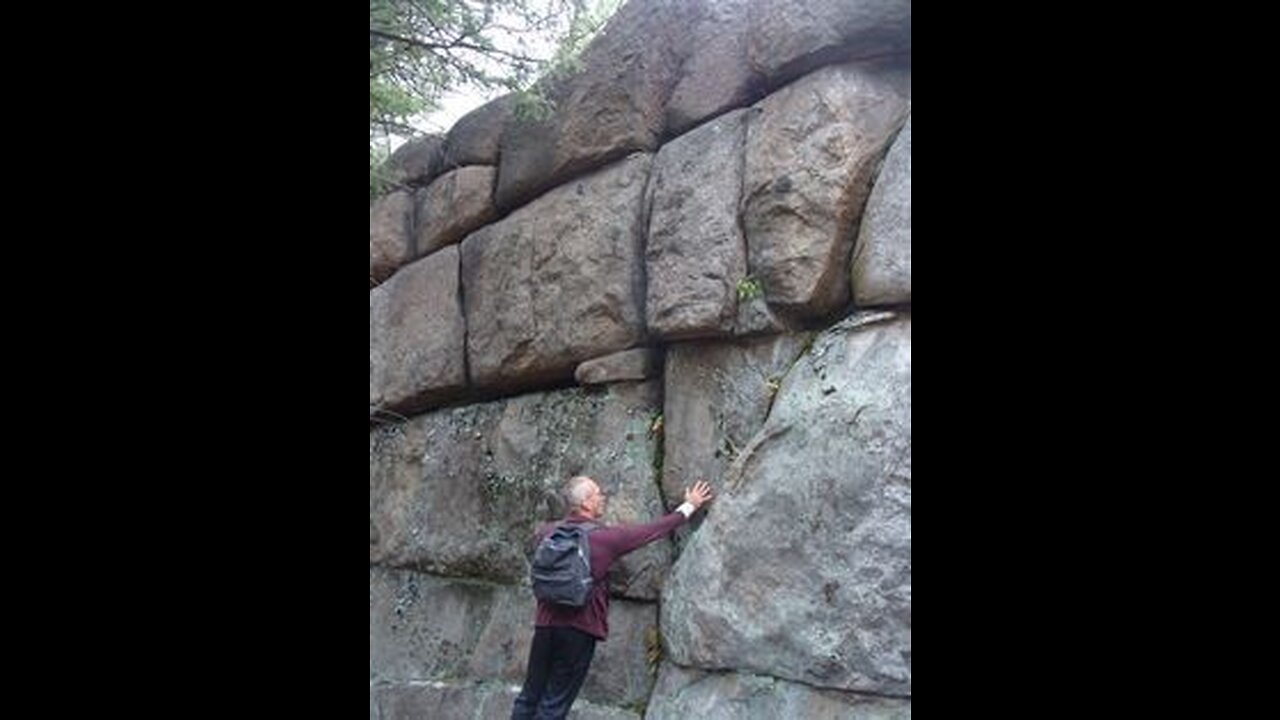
x,y
564,638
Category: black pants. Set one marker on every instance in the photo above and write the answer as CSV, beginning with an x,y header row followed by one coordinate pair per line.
x,y
558,662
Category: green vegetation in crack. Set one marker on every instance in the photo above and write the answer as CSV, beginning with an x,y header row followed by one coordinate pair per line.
x,y
750,288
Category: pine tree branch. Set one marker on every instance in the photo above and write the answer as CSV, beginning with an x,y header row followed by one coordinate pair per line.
x,y
436,47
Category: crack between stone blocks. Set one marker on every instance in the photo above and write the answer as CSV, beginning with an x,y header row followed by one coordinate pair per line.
x,y
738,468
805,347
462,310
740,206
645,223
415,569
816,688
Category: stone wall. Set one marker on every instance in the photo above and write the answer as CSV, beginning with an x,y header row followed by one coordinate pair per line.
x,y
698,267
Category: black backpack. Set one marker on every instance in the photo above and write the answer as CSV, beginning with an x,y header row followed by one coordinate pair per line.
x,y
561,569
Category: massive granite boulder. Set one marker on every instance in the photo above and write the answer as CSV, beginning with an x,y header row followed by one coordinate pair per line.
x,y
788,39
802,568
687,693
613,105
476,137
716,76
812,149
717,396
559,281
415,163
696,255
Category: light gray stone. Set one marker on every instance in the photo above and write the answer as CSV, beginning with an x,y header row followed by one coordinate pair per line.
x,y
881,272
687,693
696,256
460,491
424,628
469,700
717,396
415,163
802,568
620,673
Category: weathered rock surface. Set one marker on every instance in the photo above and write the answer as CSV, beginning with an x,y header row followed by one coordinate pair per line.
x,y
390,234
415,163
613,106
788,39
559,281
453,205
716,76
424,628
476,137
802,568
696,255
686,693
638,364
716,399
881,273
459,491
416,346
810,156
468,700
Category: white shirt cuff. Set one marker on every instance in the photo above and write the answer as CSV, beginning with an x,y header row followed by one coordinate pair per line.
x,y
687,509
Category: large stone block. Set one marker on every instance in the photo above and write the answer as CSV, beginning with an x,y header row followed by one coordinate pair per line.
x,y
416,335
476,137
687,693
613,106
811,152
802,568
460,491
452,206
557,282
443,700
415,163
788,39
717,397
716,76
390,234
638,364
424,628
696,255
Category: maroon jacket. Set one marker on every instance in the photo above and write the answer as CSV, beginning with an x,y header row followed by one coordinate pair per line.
x,y
608,543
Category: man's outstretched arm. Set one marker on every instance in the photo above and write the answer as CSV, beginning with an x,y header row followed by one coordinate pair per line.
x,y
623,539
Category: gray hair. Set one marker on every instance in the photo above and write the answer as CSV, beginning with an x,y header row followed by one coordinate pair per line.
x,y
577,491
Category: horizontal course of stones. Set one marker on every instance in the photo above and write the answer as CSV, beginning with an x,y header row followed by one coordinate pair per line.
x,y
711,235
648,209
791,599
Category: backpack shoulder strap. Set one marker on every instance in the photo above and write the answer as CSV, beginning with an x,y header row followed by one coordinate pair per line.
x,y
587,525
